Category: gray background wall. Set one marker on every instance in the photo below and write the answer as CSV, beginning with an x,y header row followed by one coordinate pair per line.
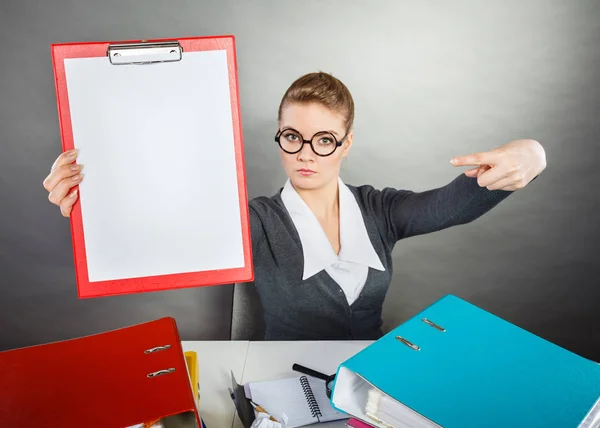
x,y
430,79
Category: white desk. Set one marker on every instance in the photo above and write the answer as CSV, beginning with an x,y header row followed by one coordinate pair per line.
x,y
255,361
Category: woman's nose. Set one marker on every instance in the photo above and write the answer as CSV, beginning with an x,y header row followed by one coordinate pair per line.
x,y
306,153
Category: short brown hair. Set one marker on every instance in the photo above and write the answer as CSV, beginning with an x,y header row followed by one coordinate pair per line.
x,y
324,89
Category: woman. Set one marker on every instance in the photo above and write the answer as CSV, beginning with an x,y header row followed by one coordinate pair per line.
x,y
322,249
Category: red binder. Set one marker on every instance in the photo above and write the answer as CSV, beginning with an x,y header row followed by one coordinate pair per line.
x,y
159,53
119,378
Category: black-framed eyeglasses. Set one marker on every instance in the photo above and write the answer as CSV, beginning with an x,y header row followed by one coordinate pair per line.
x,y
322,143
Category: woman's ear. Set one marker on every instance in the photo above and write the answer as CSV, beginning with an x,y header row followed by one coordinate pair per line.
x,y
347,144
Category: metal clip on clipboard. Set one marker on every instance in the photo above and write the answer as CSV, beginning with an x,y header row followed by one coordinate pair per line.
x,y
144,53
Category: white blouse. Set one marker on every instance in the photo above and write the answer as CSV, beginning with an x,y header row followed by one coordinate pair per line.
x,y
350,267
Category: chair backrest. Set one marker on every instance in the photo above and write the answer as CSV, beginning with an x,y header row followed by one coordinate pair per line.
x,y
247,322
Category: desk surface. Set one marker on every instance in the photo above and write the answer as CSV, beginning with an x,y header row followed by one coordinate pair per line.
x,y
256,361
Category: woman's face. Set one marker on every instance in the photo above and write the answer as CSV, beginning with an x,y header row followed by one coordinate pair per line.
x,y
305,169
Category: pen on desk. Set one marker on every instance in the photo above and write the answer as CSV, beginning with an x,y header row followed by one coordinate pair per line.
x,y
262,410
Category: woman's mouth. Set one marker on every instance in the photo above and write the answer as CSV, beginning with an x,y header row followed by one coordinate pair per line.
x,y
306,172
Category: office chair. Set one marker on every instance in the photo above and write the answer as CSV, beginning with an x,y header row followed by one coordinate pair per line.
x,y
247,321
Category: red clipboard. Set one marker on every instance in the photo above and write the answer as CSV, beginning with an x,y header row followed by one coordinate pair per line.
x,y
160,52
119,378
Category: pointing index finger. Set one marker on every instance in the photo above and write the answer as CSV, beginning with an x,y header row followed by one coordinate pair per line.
x,y
475,159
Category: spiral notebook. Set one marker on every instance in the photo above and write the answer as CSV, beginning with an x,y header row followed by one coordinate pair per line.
x,y
303,400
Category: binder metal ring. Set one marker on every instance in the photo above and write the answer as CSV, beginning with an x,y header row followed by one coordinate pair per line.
x,y
161,372
434,325
408,343
156,349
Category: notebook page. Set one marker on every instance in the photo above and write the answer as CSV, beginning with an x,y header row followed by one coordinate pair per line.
x,y
328,413
283,396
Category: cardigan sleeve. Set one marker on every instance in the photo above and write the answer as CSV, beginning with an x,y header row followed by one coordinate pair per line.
x,y
406,213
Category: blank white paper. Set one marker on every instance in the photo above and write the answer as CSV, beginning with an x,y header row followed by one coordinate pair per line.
x,y
160,192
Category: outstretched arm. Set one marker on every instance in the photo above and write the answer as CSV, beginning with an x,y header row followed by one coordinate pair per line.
x,y
496,174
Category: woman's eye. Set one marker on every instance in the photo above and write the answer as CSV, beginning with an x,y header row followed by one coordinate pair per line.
x,y
291,137
325,141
